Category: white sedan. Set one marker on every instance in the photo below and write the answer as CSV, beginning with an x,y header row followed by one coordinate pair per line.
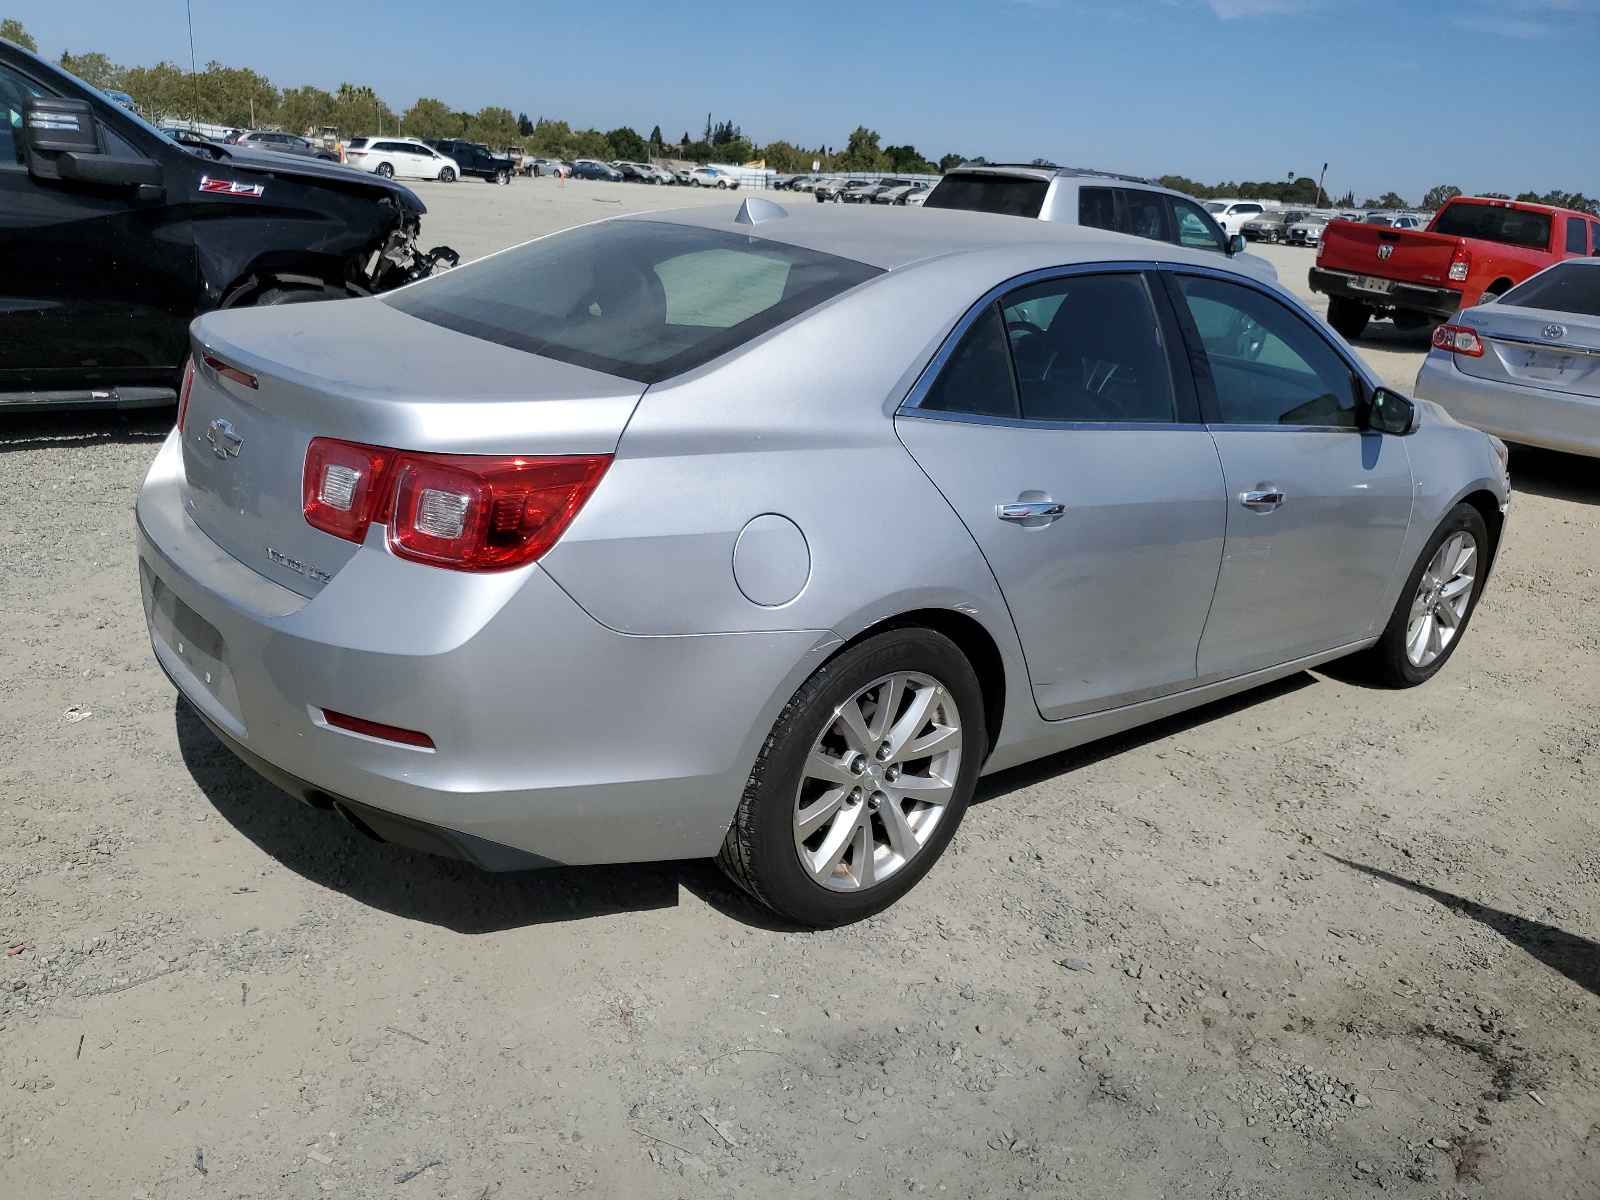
x,y
403,158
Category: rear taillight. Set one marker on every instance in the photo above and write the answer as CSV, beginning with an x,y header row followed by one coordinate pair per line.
x,y
468,512
1460,264
1458,340
184,389
342,486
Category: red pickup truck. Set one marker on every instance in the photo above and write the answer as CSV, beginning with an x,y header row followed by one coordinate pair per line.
x,y
1474,247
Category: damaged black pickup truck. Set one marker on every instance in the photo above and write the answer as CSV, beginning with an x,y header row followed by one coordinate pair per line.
x,y
113,237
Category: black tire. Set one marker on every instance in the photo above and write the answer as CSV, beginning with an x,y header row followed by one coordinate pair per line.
x,y
1387,662
385,170
502,177
271,297
1348,316
760,852
448,175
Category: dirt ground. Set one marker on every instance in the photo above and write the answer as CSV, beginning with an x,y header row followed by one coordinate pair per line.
x,y
1316,941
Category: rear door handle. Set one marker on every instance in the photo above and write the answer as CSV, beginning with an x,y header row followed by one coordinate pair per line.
x,y
1030,512
1263,501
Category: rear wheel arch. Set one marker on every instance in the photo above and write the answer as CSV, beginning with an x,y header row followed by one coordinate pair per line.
x,y
1499,287
975,643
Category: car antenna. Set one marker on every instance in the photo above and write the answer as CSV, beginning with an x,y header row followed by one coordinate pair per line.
x,y
755,210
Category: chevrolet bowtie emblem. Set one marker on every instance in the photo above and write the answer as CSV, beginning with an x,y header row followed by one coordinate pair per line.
x,y
224,441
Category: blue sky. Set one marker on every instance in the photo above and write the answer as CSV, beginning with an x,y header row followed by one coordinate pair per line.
x,y
1491,95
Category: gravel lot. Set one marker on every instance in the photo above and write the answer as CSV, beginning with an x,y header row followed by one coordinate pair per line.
x,y
1318,940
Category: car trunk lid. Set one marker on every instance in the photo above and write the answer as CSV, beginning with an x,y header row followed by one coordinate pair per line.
x,y
361,371
1554,350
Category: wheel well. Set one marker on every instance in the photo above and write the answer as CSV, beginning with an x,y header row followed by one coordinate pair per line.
x,y
1489,509
1498,288
973,640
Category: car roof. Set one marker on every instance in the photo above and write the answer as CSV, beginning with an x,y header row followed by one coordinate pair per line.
x,y
889,237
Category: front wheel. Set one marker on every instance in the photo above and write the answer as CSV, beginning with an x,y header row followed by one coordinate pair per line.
x,y
862,782
1436,603
385,170
447,175
502,177
1348,316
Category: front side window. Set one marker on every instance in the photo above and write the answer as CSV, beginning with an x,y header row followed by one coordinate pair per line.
x,y
1194,229
1268,366
645,300
1087,348
15,92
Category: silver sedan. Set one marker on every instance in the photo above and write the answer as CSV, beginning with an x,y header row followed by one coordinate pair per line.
x,y
1526,366
762,536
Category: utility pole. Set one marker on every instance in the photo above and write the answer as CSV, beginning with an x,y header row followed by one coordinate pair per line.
x,y
1320,178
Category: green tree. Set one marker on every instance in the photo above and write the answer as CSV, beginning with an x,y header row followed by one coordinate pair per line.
x,y
12,30
951,160
524,126
1348,200
904,160
787,159
494,127
1188,187
1391,200
95,69
1438,197
627,144
430,118
588,143
308,107
657,146
549,139
1560,199
861,153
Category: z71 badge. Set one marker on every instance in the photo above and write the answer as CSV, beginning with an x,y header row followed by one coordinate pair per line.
x,y
227,187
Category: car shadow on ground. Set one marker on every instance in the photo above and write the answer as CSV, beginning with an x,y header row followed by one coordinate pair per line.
x,y
84,427
321,846
1578,958
1004,783
1555,475
1386,335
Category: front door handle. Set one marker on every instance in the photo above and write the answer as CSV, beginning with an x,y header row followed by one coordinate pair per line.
x,y
1048,509
1262,501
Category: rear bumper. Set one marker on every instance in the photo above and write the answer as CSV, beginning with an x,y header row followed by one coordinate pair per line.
x,y
1512,411
1435,301
554,735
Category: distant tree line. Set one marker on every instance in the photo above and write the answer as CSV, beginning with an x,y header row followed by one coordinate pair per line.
x,y
242,98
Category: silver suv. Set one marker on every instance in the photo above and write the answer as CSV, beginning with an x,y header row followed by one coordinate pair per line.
x,y
1120,203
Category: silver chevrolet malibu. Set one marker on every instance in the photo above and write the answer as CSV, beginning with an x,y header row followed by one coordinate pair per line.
x,y
762,535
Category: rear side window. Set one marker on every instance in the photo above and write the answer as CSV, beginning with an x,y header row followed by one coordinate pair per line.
x,y
977,379
645,300
1490,222
1577,236
1008,195
1568,288
1594,238
1087,348
1097,208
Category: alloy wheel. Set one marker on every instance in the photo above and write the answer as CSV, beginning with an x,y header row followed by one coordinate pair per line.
x,y
878,781
1443,595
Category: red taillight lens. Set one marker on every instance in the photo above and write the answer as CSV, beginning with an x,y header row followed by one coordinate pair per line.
x,y
184,389
468,512
1458,340
486,514
1460,264
343,486
231,372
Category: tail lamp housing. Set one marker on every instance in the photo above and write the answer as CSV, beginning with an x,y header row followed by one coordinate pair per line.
x,y
465,512
1460,265
1458,339
184,389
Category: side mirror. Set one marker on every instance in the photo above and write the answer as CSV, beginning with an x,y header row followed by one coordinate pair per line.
x,y
1390,412
52,127
1236,244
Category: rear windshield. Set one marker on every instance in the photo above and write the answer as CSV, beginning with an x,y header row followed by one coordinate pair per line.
x,y
1512,226
1008,195
1568,288
645,300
